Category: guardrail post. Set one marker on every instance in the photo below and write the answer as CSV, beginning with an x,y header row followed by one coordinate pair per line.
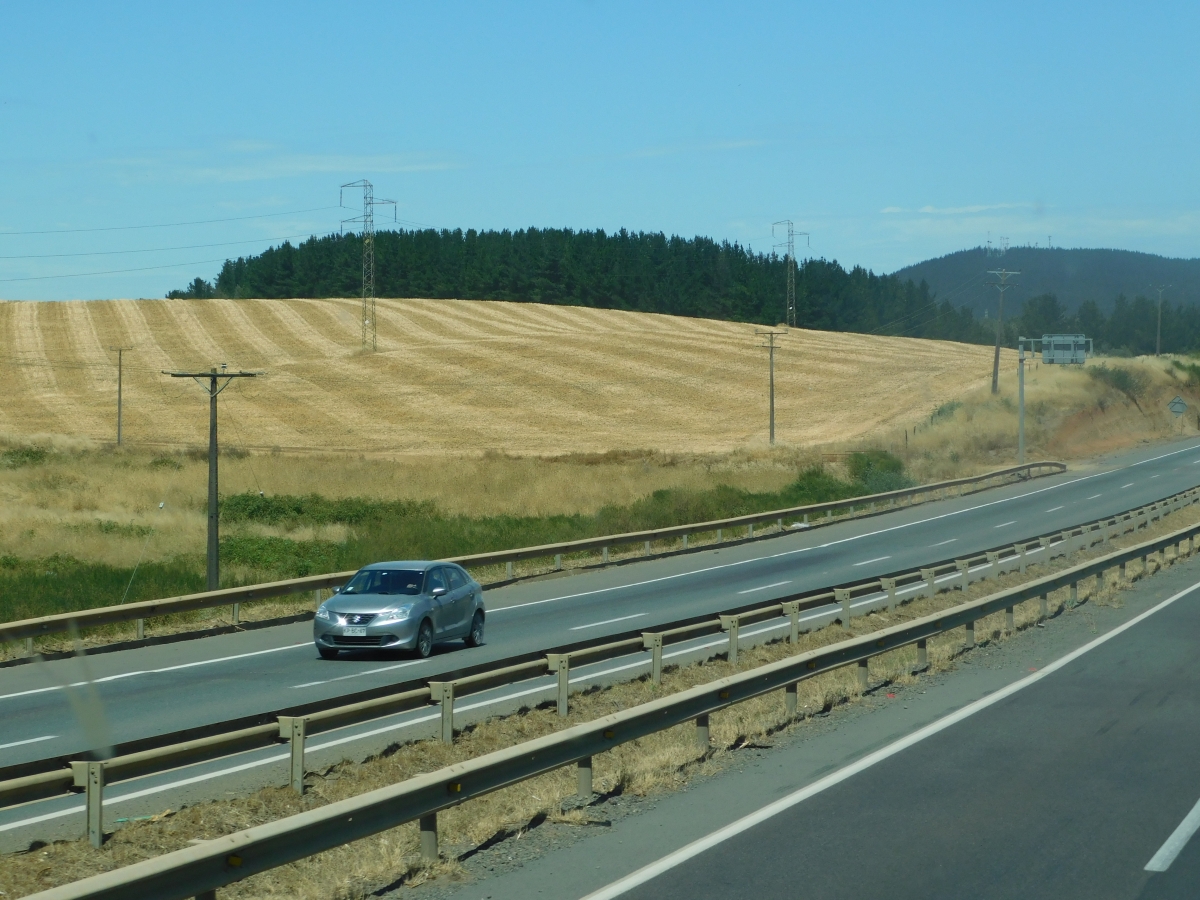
x,y
685,542
560,663
806,519
702,732
993,558
237,614
293,729
1145,565
654,643
29,646
930,581
508,570
889,585
90,776
1009,621
730,624
1074,593
863,674
429,837
750,534
720,535
1021,553
922,655
1122,570
792,611
583,778
791,699
605,556
558,562
779,523
443,693
964,573
970,640
141,629
1044,608
842,597
646,549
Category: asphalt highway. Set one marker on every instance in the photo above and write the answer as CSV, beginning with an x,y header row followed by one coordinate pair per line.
x,y
74,705
1082,783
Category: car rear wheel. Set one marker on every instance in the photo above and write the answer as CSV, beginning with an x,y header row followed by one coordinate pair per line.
x,y
328,652
424,640
475,635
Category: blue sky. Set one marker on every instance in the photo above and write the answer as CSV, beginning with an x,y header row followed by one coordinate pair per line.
x,y
890,132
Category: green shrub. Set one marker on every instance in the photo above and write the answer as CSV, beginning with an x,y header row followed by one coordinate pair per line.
x,y
1130,383
16,457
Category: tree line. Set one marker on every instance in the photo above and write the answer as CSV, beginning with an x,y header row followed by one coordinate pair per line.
x,y
650,272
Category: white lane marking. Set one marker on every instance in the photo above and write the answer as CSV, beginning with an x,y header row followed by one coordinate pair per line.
x,y
1156,476
203,662
1005,524
1126,485
47,737
411,662
1094,496
608,621
1166,854
689,851
1056,509
942,543
867,562
764,587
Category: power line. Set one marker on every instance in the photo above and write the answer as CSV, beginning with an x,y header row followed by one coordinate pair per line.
x,y
292,212
200,262
286,237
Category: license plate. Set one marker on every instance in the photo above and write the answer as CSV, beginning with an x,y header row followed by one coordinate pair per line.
x,y
354,631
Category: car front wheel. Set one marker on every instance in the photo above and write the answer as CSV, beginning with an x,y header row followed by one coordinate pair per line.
x,y
475,635
424,640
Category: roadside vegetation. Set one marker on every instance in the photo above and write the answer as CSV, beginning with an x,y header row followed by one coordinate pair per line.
x,y
268,537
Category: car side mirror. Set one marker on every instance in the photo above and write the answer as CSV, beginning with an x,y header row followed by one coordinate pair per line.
x,y
337,590
437,592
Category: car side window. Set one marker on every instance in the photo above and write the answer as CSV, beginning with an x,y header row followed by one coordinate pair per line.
x,y
457,579
435,579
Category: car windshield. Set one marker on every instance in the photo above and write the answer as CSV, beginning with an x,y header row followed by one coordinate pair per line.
x,y
385,581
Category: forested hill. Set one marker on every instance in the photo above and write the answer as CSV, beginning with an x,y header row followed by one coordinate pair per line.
x,y
1073,276
624,270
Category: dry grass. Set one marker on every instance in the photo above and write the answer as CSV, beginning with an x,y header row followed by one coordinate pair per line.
x,y
661,762
457,376
1068,416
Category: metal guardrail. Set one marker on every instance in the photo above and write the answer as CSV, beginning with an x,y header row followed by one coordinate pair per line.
x,y
27,629
197,870
294,725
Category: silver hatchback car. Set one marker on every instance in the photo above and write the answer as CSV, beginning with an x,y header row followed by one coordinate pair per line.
x,y
403,606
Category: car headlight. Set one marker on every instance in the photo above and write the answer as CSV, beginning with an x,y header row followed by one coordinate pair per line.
x,y
394,615
324,614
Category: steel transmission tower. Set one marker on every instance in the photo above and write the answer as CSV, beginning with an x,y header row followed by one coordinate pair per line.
x,y
790,259
367,219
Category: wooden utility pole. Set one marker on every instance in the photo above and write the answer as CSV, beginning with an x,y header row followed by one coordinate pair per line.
x,y
770,345
212,388
1002,285
120,352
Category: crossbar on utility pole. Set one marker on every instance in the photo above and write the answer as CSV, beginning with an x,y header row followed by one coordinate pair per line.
x,y
770,345
212,376
1002,285
120,352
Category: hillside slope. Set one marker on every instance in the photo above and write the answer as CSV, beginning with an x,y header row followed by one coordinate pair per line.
x,y
457,376
1074,276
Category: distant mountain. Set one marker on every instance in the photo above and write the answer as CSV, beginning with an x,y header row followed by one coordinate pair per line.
x,y
1074,276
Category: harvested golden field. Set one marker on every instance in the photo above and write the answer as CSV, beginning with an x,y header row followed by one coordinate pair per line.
x,y
458,376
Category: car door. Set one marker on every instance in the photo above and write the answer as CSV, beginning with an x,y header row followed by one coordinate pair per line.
x,y
442,607
460,591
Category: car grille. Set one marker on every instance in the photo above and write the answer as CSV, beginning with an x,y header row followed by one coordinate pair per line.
x,y
379,640
358,618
